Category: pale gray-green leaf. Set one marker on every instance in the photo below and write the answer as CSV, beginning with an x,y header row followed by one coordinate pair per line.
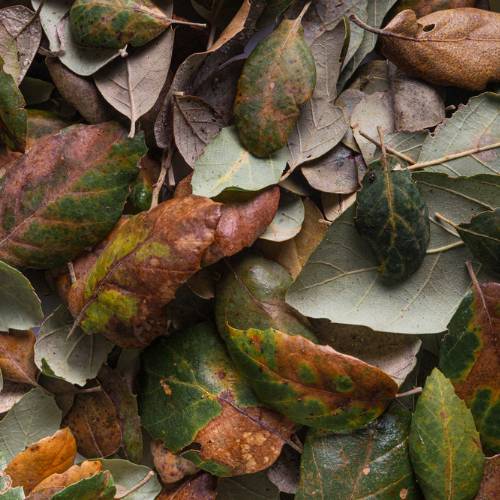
x,y
288,219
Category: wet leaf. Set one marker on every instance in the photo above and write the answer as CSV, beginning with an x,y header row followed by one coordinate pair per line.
x,y
116,23
482,237
251,295
76,359
469,358
469,57
311,384
49,455
20,307
97,487
491,479
74,197
444,445
340,282
373,462
248,487
16,357
132,85
392,216
288,219
277,78
226,165
191,393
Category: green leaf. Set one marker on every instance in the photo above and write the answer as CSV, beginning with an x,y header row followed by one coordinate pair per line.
x,y
370,463
226,165
100,486
116,23
482,237
73,198
252,295
248,487
32,418
475,124
339,281
393,218
74,360
126,475
288,219
277,78
311,384
444,445
20,307
13,494
469,358
13,116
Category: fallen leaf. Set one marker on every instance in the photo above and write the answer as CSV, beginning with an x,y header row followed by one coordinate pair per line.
x,y
491,479
444,445
170,467
16,357
46,220
247,487
36,91
424,7
373,462
11,394
201,487
277,78
39,460
182,403
457,47
469,357
42,123
311,384
100,486
334,205
284,473
8,53
288,220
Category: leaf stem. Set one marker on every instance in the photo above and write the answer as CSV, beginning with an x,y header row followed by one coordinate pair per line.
x,y
411,392
441,217
140,484
186,23
165,166
393,151
445,248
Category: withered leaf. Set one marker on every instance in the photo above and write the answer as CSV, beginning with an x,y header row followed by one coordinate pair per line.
x,y
201,487
424,7
100,486
17,357
66,193
170,467
490,484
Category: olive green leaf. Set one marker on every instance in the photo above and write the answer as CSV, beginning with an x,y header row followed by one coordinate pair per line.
x,y
277,78
369,463
252,295
392,216
13,116
226,165
469,357
20,307
482,237
116,23
288,219
19,428
340,283
248,487
475,124
74,197
311,384
76,359
100,486
445,449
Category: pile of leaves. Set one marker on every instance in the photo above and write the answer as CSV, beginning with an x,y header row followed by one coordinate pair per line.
x,y
249,249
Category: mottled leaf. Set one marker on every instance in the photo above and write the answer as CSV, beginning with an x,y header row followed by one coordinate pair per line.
x,y
469,357
491,479
248,487
370,463
444,445
226,165
288,219
16,357
97,487
72,199
482,237
170,467
20,307
311,384
277,78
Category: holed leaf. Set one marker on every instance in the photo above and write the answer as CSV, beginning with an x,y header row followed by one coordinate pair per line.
x,y
370,463
311,384
66,193
116,23
277,78
482,237
444,445
393,217
469,357
191,393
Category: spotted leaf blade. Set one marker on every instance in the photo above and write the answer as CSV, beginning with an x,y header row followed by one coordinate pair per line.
x,y
311,384
469,357
392,216
278,77
444,445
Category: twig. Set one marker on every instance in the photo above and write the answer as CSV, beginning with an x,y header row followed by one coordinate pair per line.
x,y
445,248
411,392
165,166
440,216
393,151
140,484
187,23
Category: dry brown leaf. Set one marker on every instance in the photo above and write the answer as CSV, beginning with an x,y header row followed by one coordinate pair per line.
x,y
490,485
202,487
424,7
50,455
170,467
17,357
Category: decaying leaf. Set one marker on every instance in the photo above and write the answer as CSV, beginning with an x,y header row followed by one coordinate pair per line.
x,y
469,357
247,487
16,357
182,402
311,384
424,7
444,445
170,467
100,486
201,487
491,479
54,454
456,47
277,78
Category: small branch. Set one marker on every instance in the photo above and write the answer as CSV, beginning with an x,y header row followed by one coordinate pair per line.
x,y
411,392
393,151
454,156
445,248
441,217
72,274
140,484
165,166
187,23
